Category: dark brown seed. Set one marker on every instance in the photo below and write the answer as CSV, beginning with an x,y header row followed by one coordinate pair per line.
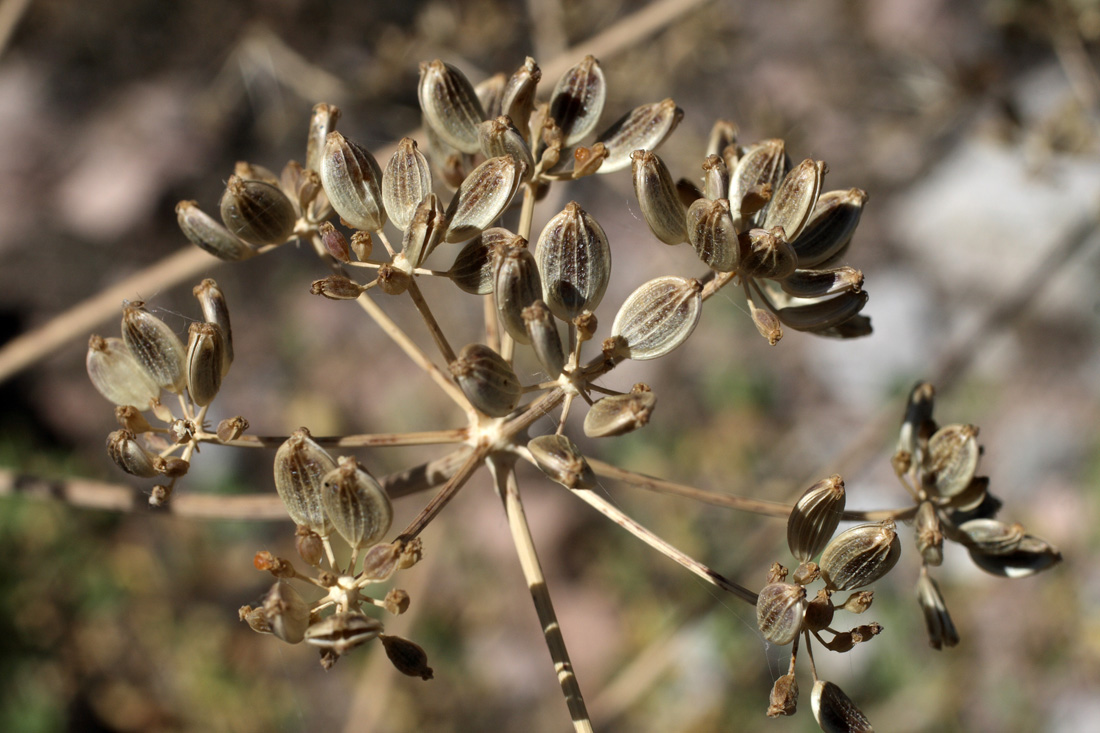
x,y
574,260
450,105
578,100
487,380
210,235
257,212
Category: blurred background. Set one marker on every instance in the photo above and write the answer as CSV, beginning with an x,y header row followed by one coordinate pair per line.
x,y
972,125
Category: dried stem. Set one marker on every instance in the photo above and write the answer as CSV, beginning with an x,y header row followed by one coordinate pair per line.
x,y
448,492
367,440
429,319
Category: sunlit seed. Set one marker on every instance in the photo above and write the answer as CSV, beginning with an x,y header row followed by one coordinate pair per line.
x,y
859,556
356,504
814,518
287,613
644,127
820,283
516,285
208,234
543,334
425,231
518,98
216,311
780,608
835,712
560,459
953,458
205,356
321,122
657,197
619,414
578,100
710,229
450,105
574,259
487,380
723,135
155,346
336,244
362,244
829,227
795,198
336,287
231,428
300,466
342,632
823,314
499,137
405,182
352,180
765,163
472,270
482,197
130,455
783,699
715,178
257,212
657,317
490,92
768,255
116,374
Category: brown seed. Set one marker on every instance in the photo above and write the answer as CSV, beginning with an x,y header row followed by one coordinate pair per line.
x,y
715,178
516,286
953,458
795,198
257,212
336,287
207,233
835,712
287,613
356,504
619,414
407,657
472,270
116,374
336,244
765,163
450,105
711,231
830,227
361,245
425,231
657,317
499,137
823,314
767,255
859,556
216,311
205,356
941,629
300,466
231,428
321,122
487,380
482,197
543,334
783,699
352,181
405,182
574,259
156,347
518,99
644,127
559,458
819,283
490,92
815,517
657,197
578,99
130,455
723,137
779,611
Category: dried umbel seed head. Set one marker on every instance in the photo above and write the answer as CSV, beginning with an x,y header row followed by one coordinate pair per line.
x,y
764,164
545,341
425,231
783,699
794,200
712,233
560,459
487,380
205,356
482,197
155,346
216,311
450,105
642,128
578,99
574,259
407,657
499,137
941,629
779,612
953,458
257,212
342,632
656,318
815,517
657,197
209,234
829,228
130,455
287,613
117,375
356,504
405,182
472,270
835,712
352,181
861,555
321,123
516,285
300,467
768,255
619,414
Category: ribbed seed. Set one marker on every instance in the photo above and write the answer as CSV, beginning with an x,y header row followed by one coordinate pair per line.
x,y
342,632
1030,554
764,163
578,100
130,455
657,197
644,127
657,317
795,198
723,136
815,517
490,92
574,259
835,712
335,243
257,212
823,314
482,197
768,255
205,356
321,122
953,458
499,137
518,98
425,231
215,310
619,414
819,283
116,374
545,341
300,466
487,380
209,234
516,285
859,556
780,608
356,504
716,179
941,629
559,458
711,231
156,347
405,182
783,699
450,105
336,287
352,181
472,270
830,227
287,613
918,413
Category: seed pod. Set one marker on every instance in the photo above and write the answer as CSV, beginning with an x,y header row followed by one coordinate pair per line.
x,y
815,517
578,100
489,93
116,374
356,504
361,245
859,556
472,270
559,458
498,137
392,280
715,178
352,179
657,198
723,136
487,380
926,528
482,197
619,414
408,658
205,356
424,231
156,347
172,466
830,227
711,231
130,418
336,244
918,415
779,611
819,283
208,234
450,105
300,466
257,212
783,699
657,317
321,122
574,259
216,311
405,182
305,191
941,629
287,613
763,164
768,255
543,334
231,428
644,127
834,712
516,286
953,458
795,198
130,455
767,323
342,632
823,314
336,287
518,99
1031,554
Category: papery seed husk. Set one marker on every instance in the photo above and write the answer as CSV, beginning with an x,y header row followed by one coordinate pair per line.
x,y
342,632
619,414
116,374
482,197
767,323
783,699
795,198
231,428
578,100
658,316
819,283
336,287
130,418
574,259
362,244
765,163
425,231
823,314
216,311
711,231
518,98
392,280
814,518
156,347
172,466
287,612
516,285
405,182
205,356
834,712
657,197
929,537
768,255
953,457
779,611
644,127
356,504
499,137
472,270
352,180
300,466
859,556
490,92
255,172
257,212
209,234
321,122
545,341
830,227
941,629
559,458
487,380
715,178
130,455
450,105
